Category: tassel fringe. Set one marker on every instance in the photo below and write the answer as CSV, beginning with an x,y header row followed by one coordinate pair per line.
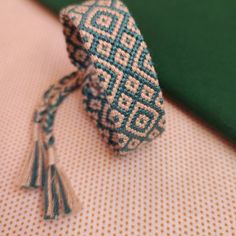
x,y
41,168
58,193
33,170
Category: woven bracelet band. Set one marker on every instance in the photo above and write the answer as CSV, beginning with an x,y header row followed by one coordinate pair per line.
x,y
120,92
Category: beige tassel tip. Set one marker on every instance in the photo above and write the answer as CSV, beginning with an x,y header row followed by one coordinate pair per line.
x,y
32,172
58,194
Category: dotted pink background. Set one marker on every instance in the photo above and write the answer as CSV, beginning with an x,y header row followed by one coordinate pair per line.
x,y
183,183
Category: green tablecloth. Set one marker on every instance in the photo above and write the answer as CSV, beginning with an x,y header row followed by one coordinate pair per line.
x,y
193,44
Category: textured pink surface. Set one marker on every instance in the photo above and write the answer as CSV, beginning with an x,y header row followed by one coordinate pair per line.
x,y
184,183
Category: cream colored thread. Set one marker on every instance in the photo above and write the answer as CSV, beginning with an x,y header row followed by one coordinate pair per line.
x,y
51,156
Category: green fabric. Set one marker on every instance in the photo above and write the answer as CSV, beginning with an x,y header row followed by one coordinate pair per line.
x,y
193,45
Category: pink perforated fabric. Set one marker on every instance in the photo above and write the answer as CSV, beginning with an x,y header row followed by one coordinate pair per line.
x,y
184,183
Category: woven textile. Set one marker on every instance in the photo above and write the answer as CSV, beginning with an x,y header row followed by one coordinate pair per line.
x,y
123,97
120,92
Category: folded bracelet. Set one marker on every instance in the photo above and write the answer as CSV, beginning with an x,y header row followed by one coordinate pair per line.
x,y
120,92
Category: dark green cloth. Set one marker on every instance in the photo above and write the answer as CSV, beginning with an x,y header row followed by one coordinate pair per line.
x,y
193,44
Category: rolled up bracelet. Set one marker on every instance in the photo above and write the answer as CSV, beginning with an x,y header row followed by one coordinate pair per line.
x,y
120,92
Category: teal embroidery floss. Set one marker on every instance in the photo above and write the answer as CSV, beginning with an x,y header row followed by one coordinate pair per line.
x,y
120,92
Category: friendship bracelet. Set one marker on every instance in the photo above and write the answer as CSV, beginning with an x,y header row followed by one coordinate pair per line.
x,y
120,92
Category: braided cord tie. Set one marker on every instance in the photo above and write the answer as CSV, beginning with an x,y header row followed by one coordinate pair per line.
x,y
42,169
